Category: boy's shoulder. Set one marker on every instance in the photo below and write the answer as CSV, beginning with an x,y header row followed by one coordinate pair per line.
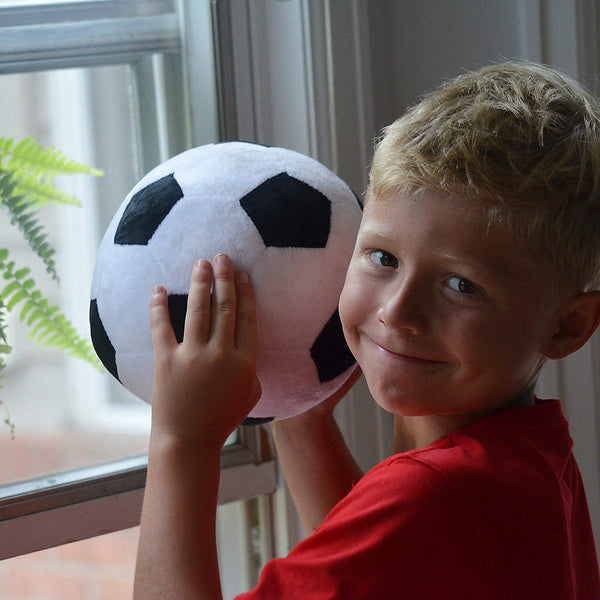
x,y
486,499
514,438
512,456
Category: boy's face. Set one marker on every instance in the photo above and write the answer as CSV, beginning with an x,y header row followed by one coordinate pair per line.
x,y
443,316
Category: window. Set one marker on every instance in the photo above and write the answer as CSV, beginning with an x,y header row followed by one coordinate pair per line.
x,y
145,70
106,82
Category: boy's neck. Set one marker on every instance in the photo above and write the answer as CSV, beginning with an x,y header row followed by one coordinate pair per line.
x,y
413,433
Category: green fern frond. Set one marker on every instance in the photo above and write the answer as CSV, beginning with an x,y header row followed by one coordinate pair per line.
x,y
34,167
25,218
8,184
41,192
47,325
28,155
6,147
26,172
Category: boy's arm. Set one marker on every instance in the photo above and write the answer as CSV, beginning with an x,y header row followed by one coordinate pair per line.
x,y
203,389
318,467
177,555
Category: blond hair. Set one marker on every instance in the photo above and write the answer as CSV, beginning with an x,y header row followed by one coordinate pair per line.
x,y
521,141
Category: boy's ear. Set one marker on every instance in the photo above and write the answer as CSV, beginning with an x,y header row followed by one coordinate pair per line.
x,y
576,323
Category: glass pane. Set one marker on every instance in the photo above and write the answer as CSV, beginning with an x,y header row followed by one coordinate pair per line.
x,y
66,414
94,569
102,568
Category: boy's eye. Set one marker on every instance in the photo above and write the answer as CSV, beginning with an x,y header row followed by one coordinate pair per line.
x,y
462,286
383,258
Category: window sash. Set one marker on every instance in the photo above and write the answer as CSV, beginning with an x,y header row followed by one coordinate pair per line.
x,y
82,34
55,509
66,507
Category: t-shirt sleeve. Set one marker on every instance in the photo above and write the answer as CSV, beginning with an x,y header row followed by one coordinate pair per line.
x,y
404,532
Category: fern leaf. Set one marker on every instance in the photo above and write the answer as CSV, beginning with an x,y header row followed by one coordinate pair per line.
x,y
12,287
6,147
42,192
34,166
29,155
21,294
51,327
26,219
29,306
3,339
26,170
8,184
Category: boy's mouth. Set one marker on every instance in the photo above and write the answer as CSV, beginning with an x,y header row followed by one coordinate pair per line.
x,y
405,355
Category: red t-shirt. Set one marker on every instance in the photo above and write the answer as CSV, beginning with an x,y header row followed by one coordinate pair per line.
x,y
495,511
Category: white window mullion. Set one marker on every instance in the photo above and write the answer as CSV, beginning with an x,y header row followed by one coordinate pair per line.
x,y
199,63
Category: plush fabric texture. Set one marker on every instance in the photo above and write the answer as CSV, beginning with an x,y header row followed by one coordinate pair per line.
x,y
496,511
283,217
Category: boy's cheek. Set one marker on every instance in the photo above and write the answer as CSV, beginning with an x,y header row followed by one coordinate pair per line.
x,y
344,310
347,299
350,309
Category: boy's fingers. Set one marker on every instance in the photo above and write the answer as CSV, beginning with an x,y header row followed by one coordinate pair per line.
x,y
246,330
160,323
198,314
224,301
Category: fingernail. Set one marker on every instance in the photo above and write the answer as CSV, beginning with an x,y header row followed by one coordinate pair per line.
x,y
243,277
158,290
222,259
202,265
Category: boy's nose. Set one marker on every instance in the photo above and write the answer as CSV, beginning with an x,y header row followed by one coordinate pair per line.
x,y
404,308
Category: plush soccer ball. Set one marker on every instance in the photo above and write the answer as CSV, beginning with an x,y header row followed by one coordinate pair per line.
x,y
284,218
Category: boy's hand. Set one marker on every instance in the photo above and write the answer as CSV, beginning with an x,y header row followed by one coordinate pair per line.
x,y
323,411
205,386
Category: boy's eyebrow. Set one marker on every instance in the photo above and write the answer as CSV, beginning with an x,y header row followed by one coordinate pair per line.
x,y
372,231
501,268
494,270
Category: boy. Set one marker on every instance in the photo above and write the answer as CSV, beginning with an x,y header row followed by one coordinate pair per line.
x,y
478,259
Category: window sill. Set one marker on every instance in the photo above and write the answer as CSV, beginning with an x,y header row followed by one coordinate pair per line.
x,y
59,509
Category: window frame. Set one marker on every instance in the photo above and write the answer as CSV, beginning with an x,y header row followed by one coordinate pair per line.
x,y
76,34
65,507
150,35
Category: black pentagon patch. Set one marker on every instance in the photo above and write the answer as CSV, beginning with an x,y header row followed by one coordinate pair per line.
x,y
250,421
177,310
289,213
146,211
330,353
102,345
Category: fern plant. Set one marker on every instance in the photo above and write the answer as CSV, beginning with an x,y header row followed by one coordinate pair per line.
x,y
26,172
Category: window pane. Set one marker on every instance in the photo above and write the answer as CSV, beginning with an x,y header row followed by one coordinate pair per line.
x,y
66,414
94,569
103,567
